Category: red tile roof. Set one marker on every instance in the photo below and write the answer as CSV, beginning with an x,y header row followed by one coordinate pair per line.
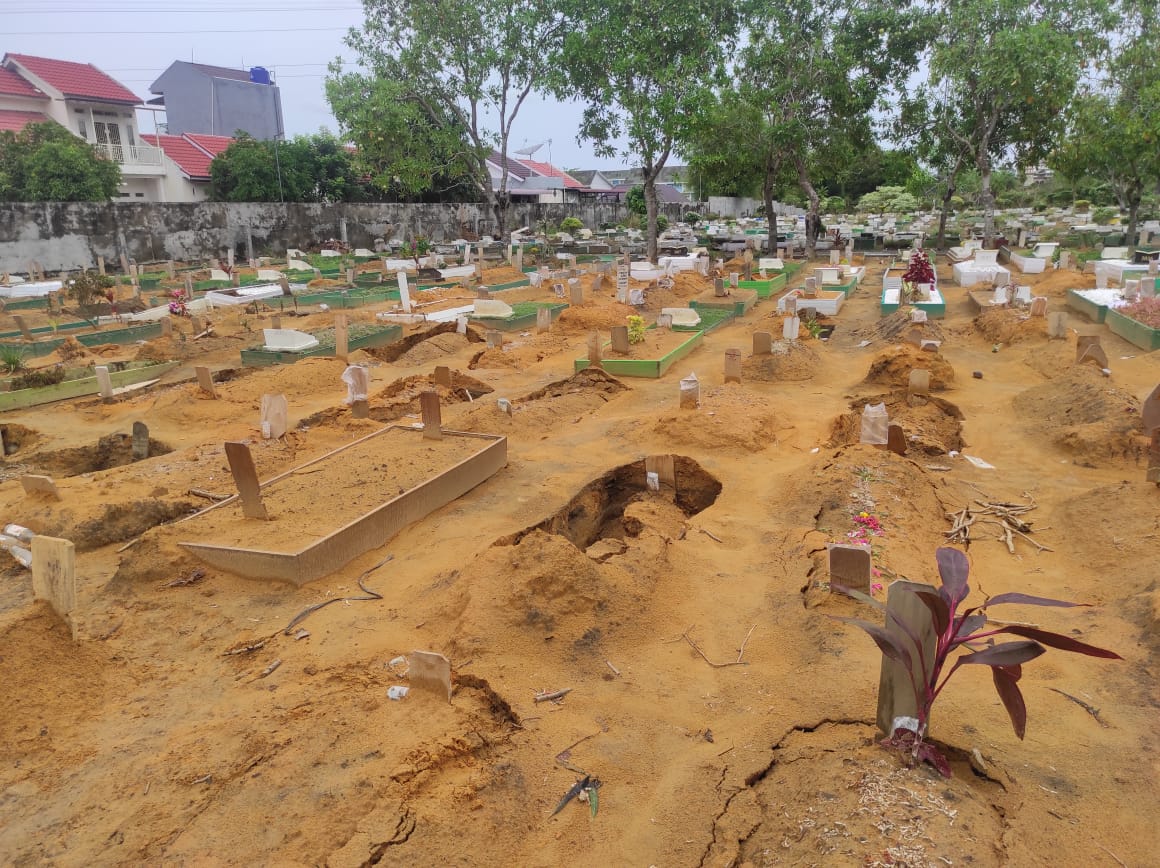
x,y
192,160
550,171
192,152
12,84
81,80
212,145
16,121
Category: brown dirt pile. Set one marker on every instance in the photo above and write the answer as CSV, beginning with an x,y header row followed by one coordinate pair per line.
x,y
729,418
932,426
402,347
589,317
789,362
520,352
507,274
1055,284
1082,412
1009,326
893,327
565,401
432,348
893,365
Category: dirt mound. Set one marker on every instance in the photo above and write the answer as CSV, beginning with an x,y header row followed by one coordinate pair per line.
x,y
892,367
534,413
846,801
932,426
1009,326
893,327
1082,412
1055,284
541,588
520,352
432,349
405,346
789,362
589,317
729,418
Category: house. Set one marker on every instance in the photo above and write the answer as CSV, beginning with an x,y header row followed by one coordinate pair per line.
x,y
187,160
90,104
217,100
593,180
530,181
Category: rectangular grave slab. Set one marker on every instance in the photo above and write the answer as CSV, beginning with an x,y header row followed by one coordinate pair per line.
x,y
285,558
54,576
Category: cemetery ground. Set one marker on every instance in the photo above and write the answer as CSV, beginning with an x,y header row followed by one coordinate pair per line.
x,y
727,718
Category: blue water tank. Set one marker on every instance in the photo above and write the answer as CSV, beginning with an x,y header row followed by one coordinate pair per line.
x,y
259,75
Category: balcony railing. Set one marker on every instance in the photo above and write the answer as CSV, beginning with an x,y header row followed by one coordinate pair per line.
x,y
130,155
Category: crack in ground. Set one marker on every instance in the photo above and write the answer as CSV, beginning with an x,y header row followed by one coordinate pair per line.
x,y
760,775
405,827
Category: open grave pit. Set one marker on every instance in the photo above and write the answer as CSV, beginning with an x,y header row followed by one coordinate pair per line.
x,y
112,450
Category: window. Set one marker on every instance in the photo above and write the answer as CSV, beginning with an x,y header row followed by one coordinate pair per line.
x,y
83,128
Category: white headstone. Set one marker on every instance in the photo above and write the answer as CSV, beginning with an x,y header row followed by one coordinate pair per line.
x,y
404,292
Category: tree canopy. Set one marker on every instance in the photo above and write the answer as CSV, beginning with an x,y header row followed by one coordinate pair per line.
x,y
439,85
316,168
46,163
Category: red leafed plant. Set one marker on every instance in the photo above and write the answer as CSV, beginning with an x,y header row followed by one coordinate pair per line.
x,y
1146,311
919,270
961,631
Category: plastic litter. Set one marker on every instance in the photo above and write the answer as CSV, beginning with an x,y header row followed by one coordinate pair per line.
x,y
397,691
875,425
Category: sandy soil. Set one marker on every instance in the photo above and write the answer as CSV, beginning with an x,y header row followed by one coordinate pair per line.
x,y
145,742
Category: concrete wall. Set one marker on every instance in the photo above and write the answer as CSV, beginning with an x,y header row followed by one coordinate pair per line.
x,y
70,235
743,206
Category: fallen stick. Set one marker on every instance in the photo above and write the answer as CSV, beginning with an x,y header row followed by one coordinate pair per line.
x,y
711,536
310,610
737,662
209,495
1090,709
741,650
269,669
615,671
552,696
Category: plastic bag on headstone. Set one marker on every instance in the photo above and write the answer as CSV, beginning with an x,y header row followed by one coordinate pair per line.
x,y
357,380
875,425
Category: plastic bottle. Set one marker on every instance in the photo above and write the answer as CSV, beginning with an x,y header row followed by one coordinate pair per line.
x,y
20,532
21,554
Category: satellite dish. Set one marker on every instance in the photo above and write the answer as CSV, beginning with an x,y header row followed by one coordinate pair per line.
x,y
527,152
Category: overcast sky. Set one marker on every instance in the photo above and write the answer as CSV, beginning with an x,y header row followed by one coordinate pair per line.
x,y
135,41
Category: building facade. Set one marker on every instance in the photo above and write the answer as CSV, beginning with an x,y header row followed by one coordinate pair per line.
x,y
218,101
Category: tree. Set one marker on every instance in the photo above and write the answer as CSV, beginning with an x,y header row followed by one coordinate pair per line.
x,y
315,168
808,77
444,82
1002,72
46,163
643,71
884,199
1113,128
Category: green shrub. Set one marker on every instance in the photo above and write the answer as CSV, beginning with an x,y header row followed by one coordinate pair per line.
x,y
692,217
571,225
11,359
662,223
957,202
1105,215
1082,204
834,205
38,379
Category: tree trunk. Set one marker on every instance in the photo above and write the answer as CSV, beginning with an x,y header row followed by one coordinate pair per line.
x,y
767,195
946,207
650,204
1133,212
986,197
814,209
499,207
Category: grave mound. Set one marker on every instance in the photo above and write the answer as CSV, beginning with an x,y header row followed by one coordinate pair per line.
x,y
520,353
425,346
788,362
1009,326
893,327
1055,284
892,367
112,450
539,411
932,426
1081,412
845,800
591,316
401,398
729,417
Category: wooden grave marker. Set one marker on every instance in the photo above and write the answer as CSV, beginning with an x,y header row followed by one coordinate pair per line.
x,y
246,479
733,365
25,332
443,376
665,469
896,440
543,319
341,337
427,670
140,447
594,346
919,383
620,339
762,343
54,576
850,566
432,416
275,411
205,380
895,691
34,483
1057,324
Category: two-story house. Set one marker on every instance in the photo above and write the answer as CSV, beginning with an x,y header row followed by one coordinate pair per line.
x,y
91,105
215,100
